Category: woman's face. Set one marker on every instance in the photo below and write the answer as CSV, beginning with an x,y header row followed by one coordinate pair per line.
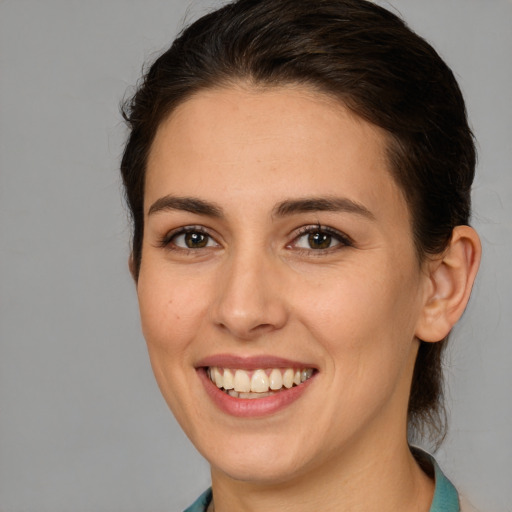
x,y
277,248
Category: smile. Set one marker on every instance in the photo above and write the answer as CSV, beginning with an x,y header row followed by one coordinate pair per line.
x,y
258,383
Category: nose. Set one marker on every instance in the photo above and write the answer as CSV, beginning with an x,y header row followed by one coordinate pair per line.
x,y
251,299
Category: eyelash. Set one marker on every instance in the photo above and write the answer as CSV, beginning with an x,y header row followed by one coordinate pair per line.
x,y
167,241
342,239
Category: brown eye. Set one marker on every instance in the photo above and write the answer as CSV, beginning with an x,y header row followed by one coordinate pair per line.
x,y
191,239
196,240
319,240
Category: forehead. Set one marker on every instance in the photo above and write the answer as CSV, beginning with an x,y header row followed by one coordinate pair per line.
x,y
269,142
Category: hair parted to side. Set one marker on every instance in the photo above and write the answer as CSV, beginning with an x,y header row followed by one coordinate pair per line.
x,y
369,60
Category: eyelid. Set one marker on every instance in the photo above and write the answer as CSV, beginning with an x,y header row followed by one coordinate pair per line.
x,y
166,240
343,239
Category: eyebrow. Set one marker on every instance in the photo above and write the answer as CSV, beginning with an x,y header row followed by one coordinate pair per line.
x,y
283,209
187,204
326,204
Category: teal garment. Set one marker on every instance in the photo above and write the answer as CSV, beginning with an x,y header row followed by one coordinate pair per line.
x,y
201,504
445,499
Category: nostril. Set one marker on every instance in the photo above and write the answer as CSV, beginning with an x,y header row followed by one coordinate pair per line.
x,y
246,332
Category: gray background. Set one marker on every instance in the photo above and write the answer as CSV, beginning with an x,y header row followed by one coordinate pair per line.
x,y
82,424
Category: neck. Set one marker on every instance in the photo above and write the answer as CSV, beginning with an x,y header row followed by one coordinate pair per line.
x,y
361,481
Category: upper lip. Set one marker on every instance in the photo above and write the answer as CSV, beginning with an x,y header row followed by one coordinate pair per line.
x,y
250,363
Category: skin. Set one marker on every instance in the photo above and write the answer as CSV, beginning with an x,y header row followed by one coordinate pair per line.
x,y
353,311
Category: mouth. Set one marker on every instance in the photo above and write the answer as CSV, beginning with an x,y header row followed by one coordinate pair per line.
x,y
258,383
255,386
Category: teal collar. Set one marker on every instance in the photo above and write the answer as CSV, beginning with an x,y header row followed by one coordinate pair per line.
x,y
446,498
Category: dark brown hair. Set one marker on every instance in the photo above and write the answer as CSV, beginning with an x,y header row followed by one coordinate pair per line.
x,y
370,61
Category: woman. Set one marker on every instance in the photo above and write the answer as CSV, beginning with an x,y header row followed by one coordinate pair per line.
x,y
299,175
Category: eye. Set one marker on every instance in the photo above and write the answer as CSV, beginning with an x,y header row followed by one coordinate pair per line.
x,y
189,238
317,238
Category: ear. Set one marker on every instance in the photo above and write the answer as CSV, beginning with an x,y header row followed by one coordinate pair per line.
x,y
131,266
450,279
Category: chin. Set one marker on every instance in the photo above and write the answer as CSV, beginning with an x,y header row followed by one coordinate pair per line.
x,y
258,470
260,459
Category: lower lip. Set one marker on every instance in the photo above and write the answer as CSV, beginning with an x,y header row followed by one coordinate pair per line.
x,y
252,407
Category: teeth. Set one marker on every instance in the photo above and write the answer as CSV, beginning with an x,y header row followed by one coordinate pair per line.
x,y
228,380
276,379
241,382
288,378
258,383
251,396
217,378
304,375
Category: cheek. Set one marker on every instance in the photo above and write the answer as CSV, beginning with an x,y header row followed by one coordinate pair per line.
x,y
363,318
365,330
171,309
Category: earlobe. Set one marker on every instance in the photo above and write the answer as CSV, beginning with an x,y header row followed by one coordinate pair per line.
x,y
451,277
